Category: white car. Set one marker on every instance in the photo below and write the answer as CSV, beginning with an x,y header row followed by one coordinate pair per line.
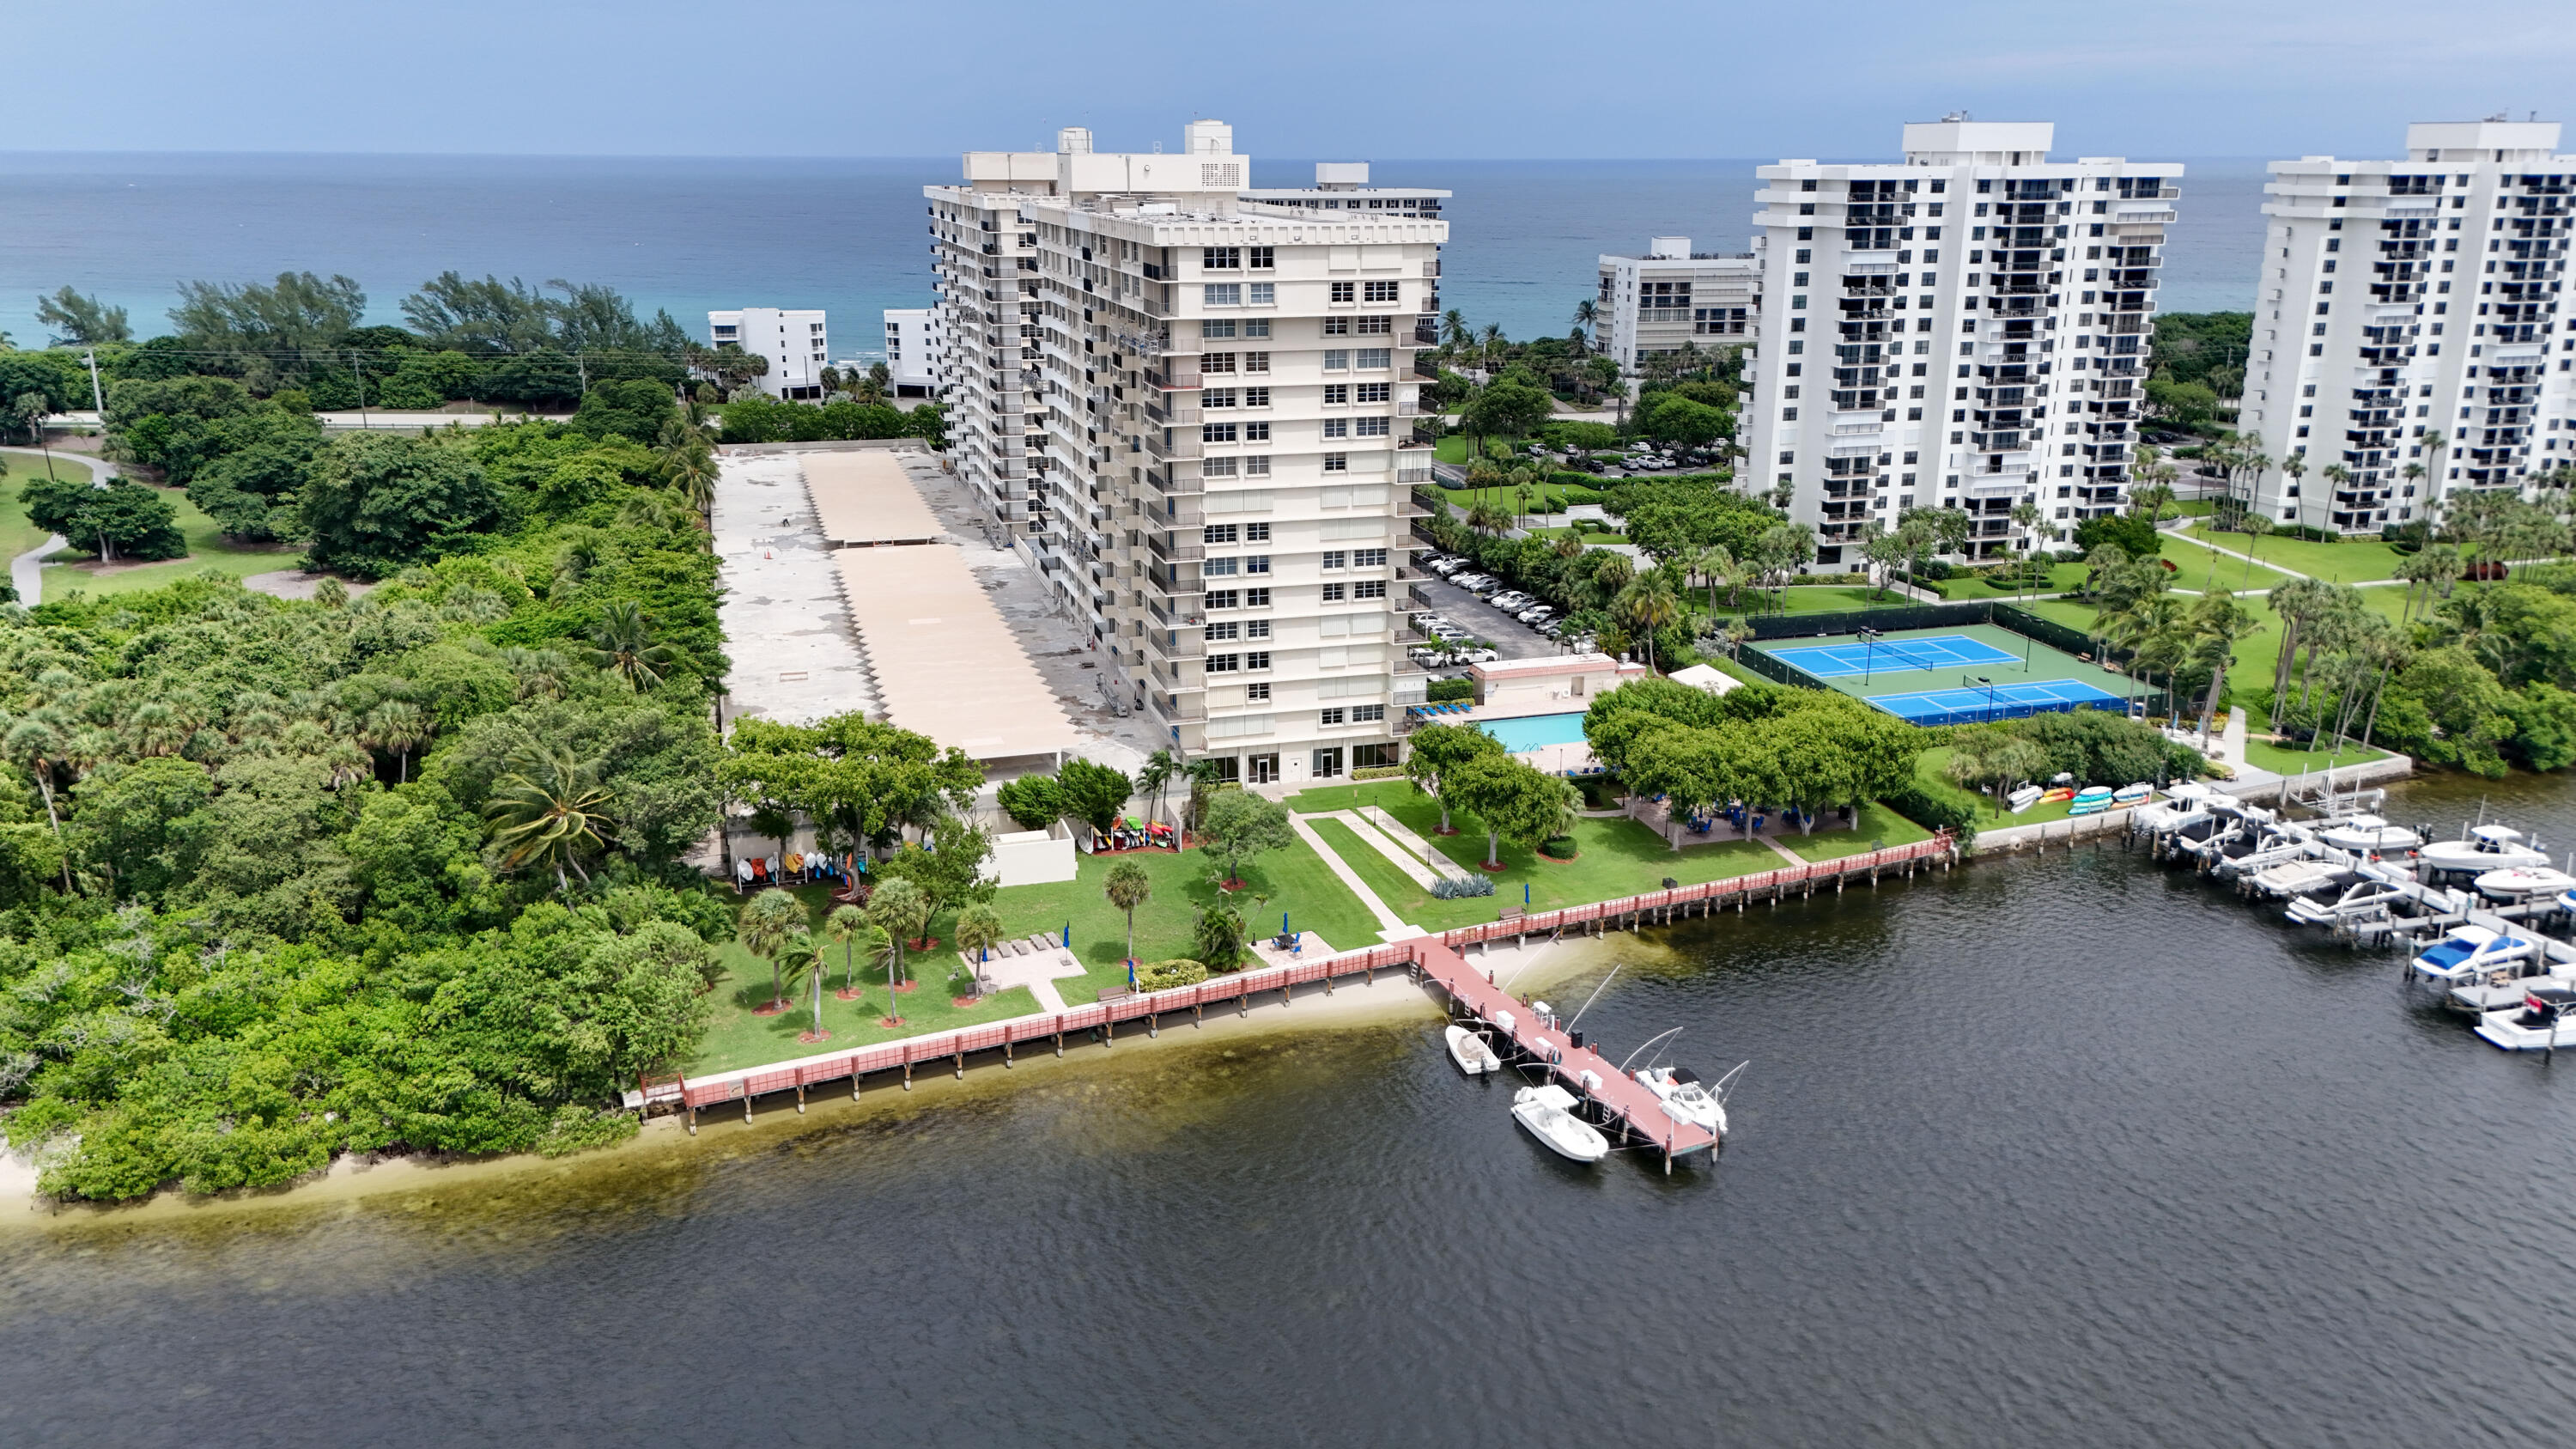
x,y
1539,615
1446,566
1476,656
1514,599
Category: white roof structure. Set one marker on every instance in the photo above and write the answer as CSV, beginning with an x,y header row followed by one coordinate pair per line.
x,y
863,498
1703,676
945,661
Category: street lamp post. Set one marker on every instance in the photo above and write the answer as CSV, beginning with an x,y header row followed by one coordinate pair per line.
x,y
1868,641
1990,696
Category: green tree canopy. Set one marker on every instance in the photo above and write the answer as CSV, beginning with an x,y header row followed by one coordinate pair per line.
x,y
378,501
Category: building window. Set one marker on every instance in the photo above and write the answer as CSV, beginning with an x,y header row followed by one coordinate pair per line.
x,y
1219,568
1216,328
1258,465
1337,359
1335,558
1335,593
1373,359
1264,294
1262,259
1380,291
1373,427
1218,633
1337,394
1221,259
1256,397
1256,533
1337,427
1257,433
1367,713
1257,692
1222,294
1222,598
1376,326
1328,762
1224,663
1369,589
1257,361
1216,432
1257,599
1217,362
1337,326
1343,291
1329,717
1258,659
1368,558
1217,533
1256,563
1337,462
1371,392
1217,397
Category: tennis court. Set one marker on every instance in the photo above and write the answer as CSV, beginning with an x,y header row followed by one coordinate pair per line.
x,y
1972,704
1957,675
1891,653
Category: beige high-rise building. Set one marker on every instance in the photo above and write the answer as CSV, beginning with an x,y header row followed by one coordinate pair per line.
x,y
1192,405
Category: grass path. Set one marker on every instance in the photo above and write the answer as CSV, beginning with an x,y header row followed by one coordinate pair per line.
x,y
207,549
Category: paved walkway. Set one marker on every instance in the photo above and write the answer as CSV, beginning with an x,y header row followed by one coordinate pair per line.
x,y
1403,834
26,571
1395,854
1038,970
1392,926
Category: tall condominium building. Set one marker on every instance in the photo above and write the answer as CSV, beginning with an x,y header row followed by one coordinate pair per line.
x,y
1671,297
2444,323
792,339
1193,405
1967,328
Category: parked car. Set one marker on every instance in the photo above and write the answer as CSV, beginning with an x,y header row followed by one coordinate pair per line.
x,y
1538,614
1511,599
1446,566
1552,628
1477,656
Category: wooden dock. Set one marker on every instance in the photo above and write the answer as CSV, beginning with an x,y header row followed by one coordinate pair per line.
x,y
1440,958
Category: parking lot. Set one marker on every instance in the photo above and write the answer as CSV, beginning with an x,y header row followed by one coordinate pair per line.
x,y
1511,638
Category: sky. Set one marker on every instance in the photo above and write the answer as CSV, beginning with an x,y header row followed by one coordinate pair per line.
x,y
1341,78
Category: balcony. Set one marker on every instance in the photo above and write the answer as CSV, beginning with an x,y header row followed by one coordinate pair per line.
x,y
1173,550
1168,448
1177,645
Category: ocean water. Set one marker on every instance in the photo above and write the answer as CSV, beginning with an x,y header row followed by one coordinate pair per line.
x,y
692,234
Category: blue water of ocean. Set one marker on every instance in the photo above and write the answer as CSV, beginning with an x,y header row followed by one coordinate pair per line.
x,y
846,235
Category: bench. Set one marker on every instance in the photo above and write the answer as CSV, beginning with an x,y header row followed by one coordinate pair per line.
x,y
1114,993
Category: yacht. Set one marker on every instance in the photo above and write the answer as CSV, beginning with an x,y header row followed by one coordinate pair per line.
x,y
2184,804
2468,953
2546,1019
2137,794
1546,1113
2368,835
1686,1099
2368,899
2516,884
2486,848
1470,1052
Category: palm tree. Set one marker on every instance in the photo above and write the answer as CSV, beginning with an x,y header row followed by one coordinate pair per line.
x,y
2216,623
1455,338
899,909
1129,886
691,468
764,928
34,745
846,924
802,956
397,725
1587,315
549,808
1648,605
979,929
2256,526
2026,516
623,645
2294,468
1157,771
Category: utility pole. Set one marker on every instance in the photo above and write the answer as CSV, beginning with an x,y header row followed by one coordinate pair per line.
x,y
97,398
582,361
360,369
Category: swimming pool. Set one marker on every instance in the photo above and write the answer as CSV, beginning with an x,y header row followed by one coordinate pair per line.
x,y
1535,731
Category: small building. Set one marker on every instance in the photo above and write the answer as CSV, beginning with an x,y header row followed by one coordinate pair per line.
x,y
1672,296
1552,684
912,350
793,339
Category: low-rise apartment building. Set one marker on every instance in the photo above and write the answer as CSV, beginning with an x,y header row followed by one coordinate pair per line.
x,y
1670,297
793,339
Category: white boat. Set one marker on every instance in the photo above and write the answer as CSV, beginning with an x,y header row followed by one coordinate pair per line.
x,y
1471,1054
2296,877
1686,1099
2181,805
2368,835
2546,1019
2486,848
2469,953
2022,798
1545,1113
2136,794
2522,882
2363,900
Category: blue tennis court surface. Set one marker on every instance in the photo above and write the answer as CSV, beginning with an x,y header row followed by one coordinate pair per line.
x,y
2003,701
1941,651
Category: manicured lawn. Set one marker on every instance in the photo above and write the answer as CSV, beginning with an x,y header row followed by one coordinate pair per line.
x,y
2060,577
2352,561
739,1038
1877,822
1990,814
17,535
1398,890
1454,448
1615,857
1807,599
2292,760
207,549
1546,500
2194,563
1294,880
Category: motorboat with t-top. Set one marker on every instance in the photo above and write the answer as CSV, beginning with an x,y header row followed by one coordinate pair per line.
x,y
1469,1051
1546,1113
2482,849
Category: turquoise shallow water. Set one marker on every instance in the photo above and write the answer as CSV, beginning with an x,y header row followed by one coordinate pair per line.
x,y
2066,1150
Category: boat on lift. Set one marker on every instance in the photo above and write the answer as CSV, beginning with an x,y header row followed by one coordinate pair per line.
x,y
2469,953
2368,899
2505,986
2482,849
2546,1019
2516,884
1470,1051
1546,1113
2184,804
2368,835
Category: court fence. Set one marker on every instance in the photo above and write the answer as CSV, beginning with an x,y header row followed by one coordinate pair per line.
x,y
2157,703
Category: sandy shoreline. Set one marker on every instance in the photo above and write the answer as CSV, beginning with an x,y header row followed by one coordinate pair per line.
x,y
1353,1002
